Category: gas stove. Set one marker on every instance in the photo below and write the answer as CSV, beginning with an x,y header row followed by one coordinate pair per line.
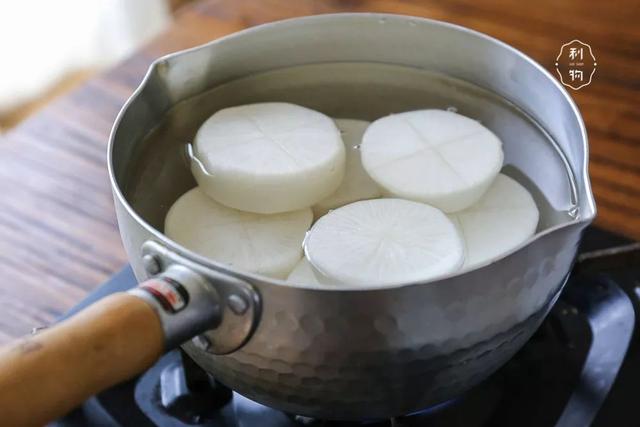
x,y
582,367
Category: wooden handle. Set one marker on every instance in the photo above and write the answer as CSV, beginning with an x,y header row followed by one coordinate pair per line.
x,y
43,377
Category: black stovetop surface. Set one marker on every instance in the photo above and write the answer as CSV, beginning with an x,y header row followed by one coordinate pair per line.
x,y
562,377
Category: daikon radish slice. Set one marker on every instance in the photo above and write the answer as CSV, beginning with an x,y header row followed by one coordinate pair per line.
x,y
303,274
383,241
503,218
432,156
264,244
356,184
269,157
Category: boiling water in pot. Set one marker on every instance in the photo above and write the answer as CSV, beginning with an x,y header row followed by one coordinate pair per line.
x,y
159,173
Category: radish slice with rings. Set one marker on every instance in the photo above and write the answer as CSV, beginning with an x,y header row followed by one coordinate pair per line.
x,y
383,241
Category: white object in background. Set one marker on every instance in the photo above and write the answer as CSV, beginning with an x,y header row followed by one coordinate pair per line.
x,y
263,244
383,241
433,156
356,184
502,219
41,41
302,274
269,157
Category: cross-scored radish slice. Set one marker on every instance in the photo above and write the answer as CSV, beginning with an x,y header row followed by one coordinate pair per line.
x,y
303,274
268,157
433,156
264,244
503,218
383,241
356,184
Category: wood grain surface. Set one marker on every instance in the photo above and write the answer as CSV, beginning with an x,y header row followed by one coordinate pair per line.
x,y
58,234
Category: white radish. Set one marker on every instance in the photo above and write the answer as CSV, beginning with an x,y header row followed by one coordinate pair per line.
x,y
303,274
269,157
433,156
383,241
356,184
503,218
263,244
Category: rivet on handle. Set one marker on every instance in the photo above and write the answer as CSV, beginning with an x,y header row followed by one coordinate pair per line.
x,y
151,264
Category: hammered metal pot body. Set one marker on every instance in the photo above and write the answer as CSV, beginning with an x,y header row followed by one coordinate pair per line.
x,y
362,354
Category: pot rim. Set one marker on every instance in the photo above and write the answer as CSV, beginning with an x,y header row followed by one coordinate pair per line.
x,y
581,222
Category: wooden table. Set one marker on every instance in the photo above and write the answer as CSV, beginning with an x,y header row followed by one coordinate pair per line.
x,y
58,234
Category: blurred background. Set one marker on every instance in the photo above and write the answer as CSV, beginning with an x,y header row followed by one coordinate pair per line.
x,y
47,53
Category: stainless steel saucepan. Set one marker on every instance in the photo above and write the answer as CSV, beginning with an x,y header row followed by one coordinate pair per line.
x,y
321,352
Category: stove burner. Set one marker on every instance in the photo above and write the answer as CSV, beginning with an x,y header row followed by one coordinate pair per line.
x,y
562,377
435,408
187,393
392,422
177,392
